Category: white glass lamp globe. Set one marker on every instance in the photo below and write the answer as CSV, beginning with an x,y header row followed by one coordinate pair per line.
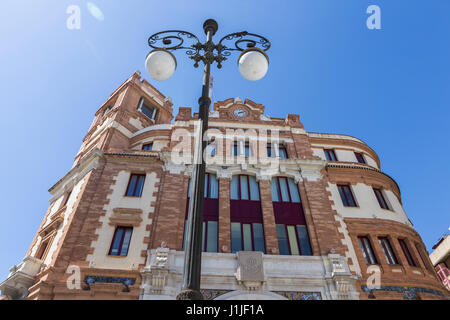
x,y
160,64
253,64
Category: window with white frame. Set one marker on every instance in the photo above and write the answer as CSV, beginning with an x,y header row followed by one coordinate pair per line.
x,y
146,109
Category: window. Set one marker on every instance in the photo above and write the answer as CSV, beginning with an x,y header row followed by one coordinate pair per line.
x,y
290,220
147,147
346,195
367,250
406,252
42,250
244,188
425,258
381,200
150,112
135,185
330,155
293,240
246,215
121,241
285,190
107,109
67,198
247,237
242,149
387,250
210,213
360,157
272,151
211,186
209,236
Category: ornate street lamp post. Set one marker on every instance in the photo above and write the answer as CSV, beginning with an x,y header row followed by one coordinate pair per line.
x,y
160,63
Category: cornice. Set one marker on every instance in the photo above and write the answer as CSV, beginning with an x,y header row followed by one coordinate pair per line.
x,y
88,162
344,140
363,168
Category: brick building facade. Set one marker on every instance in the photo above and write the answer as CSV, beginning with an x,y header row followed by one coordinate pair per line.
x,y
289,214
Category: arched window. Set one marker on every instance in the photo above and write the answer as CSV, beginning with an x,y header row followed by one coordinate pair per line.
x,y
290,220
210,213
247,232
146,109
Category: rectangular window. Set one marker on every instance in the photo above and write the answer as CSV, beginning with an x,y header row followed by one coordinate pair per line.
x,y
236,242
360,157
242,149
247,150
283,245
293,191
292,237
381,200
303,237
424,258
285,189
67,198
346,195
330,155
235,149
270,154
282,152
254,188
147,147
211,243
121,241
387,250
247,237
209,235
244,187
42,250
234,188
211,187
150,112
258,237
406,252
271,151
275,189
367,250
293,240
135,185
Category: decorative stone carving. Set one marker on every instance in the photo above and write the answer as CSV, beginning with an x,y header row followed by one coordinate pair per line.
x,y
155,274
161,258
126,216
342,278
250,271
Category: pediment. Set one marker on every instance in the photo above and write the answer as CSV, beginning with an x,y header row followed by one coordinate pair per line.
x,y
236,109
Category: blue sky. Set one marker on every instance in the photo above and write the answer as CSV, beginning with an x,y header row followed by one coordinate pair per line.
x,y
388,87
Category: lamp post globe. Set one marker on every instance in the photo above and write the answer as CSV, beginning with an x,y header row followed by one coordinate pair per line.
x,y
253,64
160,64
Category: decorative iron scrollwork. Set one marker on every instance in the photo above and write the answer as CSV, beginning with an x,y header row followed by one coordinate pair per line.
x,y
207,52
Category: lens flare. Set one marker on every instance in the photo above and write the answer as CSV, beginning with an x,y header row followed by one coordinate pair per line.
x,y
95,11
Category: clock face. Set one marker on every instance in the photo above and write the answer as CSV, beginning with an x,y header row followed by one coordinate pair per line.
x,y
239,113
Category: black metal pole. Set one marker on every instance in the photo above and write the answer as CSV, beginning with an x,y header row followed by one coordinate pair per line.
x,y
193,239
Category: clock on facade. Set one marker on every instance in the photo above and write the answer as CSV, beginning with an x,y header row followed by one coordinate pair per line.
x,y
239,113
